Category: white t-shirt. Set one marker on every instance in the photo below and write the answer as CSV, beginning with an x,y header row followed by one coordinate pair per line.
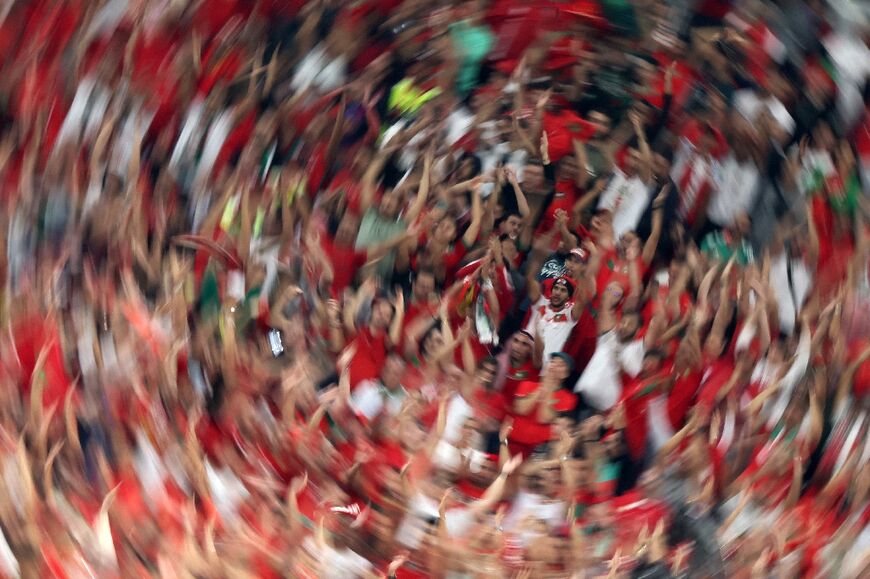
x,y
627,198
318,70
457,413
339,564
736,184
751,107
528,504
370,398
412,529
227,491
791,282
601,383
554,326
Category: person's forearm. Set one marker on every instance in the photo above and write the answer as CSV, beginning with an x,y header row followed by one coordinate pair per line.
x,y
652,243
396,328
491,496
522,202
473,230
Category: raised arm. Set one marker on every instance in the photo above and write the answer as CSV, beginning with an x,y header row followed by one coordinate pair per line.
x,y
398,319
423,192
645,152
369,180
493,494
522,203
652,242
470,235
581,179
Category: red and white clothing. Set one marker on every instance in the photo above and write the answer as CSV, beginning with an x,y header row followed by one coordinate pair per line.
x,y
693,172
627,197
554,326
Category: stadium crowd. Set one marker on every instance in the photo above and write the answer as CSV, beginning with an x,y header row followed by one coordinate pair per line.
x,y
491,288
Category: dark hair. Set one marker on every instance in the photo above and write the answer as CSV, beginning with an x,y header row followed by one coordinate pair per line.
x,y
666,152
655,353
505,216
435,327
476,165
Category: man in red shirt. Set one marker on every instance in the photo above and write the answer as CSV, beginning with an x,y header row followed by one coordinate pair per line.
x,y
537,406
631,417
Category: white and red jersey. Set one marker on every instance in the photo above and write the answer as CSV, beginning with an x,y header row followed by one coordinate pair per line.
x,y
693,171
554,326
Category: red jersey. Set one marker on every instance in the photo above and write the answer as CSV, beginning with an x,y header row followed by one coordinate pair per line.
x,y
527,429
370,355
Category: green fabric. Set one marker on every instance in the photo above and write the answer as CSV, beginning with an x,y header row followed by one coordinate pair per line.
x,y
815,180
375,230
607,472
716,245
209,304
848,203
472,44
620,15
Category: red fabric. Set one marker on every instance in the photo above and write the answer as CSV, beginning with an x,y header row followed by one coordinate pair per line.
x,y
717,375
638,392
562,127
516,376
566,195
490,405
346,261
681,397
526,428
316,169
236,141
31,336
371,353
581,344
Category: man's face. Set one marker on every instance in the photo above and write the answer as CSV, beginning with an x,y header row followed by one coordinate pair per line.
x,y
573,266
445,231
559,296
389,206
424,286
557,368
391,375
433,342
521,347
602,122
382,314
602,224
510,226
486,373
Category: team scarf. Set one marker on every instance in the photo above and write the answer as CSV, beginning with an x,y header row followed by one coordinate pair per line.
x,y
472,301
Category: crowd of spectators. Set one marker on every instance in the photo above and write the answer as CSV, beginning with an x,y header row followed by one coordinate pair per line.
x,y
376,288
